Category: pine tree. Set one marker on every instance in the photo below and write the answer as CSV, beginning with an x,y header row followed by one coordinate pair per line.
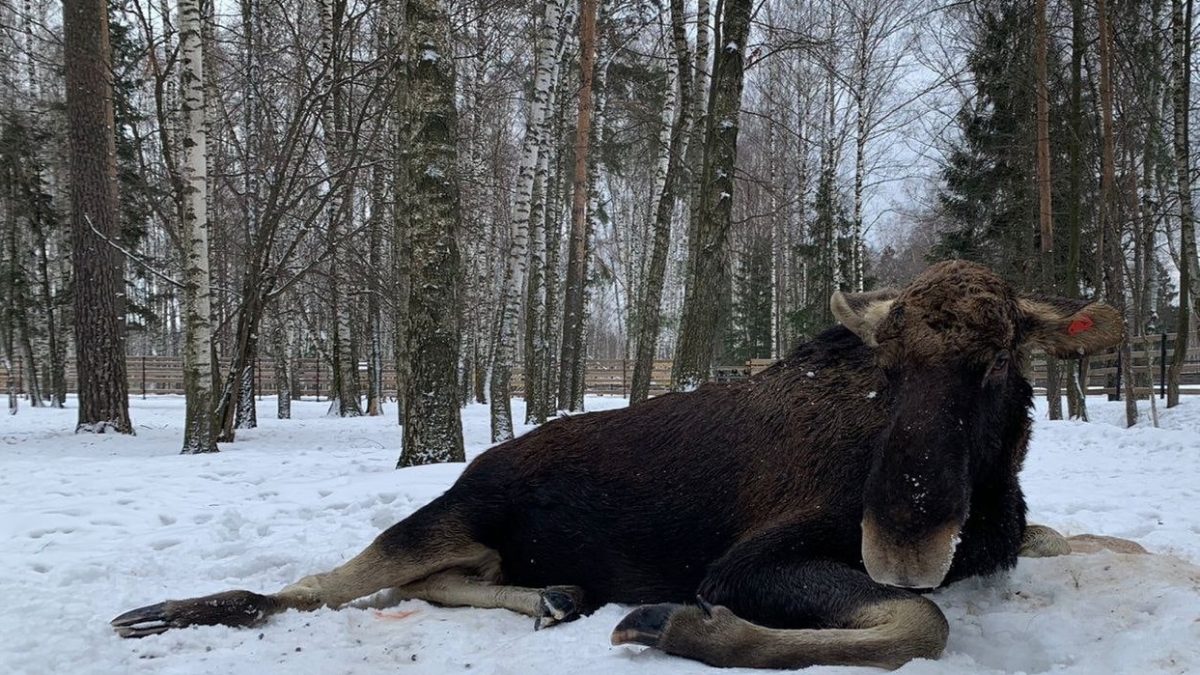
x,y
98,268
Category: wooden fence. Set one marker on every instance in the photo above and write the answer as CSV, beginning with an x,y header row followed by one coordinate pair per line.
x,y
311,377
1151,355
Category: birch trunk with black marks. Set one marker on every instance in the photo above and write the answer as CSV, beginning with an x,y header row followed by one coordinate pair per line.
x,y
334,122
676,118
200,433
377,199
246,416
551,319
518,253
862,67
694,156
427,139
282,363
708,272
99,297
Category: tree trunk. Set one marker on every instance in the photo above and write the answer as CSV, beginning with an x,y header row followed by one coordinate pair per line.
x,y
98,271
709,271
246,416
1076,399
1189,276
554,219
199,433
573,308
374,306
432,429
694,157
1110,248
518,255
596,213
1045,212
678,105
336,137
281,360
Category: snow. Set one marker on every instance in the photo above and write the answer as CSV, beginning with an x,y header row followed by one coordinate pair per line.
x,y
95,525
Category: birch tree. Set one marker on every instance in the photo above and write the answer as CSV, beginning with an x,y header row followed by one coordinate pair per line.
x,y
335,126
709,267
535,129
428,135
537,297
199,434
676,118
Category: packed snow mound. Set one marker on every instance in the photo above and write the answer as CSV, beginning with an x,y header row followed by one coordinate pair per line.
x,y
96,525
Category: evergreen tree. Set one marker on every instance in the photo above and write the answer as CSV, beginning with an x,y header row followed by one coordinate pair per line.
x,y
989,194
751,336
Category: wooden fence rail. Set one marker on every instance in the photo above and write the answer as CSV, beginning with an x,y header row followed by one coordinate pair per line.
x,y
311,377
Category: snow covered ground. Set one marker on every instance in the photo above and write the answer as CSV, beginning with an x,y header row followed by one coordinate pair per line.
x,y
95,525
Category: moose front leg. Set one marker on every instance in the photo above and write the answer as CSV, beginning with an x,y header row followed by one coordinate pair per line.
x,y
1040,541
775,601
838,616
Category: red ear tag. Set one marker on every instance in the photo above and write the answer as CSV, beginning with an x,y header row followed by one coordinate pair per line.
x,y
1084,322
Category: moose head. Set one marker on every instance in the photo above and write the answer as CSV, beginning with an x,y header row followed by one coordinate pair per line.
x,y
950,348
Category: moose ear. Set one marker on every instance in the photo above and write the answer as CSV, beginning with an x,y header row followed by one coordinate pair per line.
x,y
1070,328
862,312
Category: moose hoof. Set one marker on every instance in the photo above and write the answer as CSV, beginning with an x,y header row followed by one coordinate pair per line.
x,y
558,604
1040,541
231,608
645,625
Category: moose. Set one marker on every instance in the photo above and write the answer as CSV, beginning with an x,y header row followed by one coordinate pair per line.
x,y
787,520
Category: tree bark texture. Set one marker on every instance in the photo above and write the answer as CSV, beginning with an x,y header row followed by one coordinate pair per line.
x,y
709,273
99,282
1111,256
678,104
518,255
1045,212
334,121
1189,275
577,247
432,426
200,433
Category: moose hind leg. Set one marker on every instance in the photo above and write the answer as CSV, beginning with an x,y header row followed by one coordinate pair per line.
x,y
431,540
548,606
839,617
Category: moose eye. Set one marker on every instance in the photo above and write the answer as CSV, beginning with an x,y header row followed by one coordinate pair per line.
x,y
1000,364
